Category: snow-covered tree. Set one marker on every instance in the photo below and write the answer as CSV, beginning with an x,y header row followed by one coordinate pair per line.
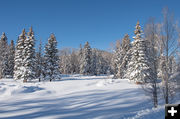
x,y
139,66
172,65
39,62
86,63
11,54
51,59
100,63
124,57
169,40
29,57
3,56
80,54
94,63
19,57
74,64
64,62
116,58
151,35
71,59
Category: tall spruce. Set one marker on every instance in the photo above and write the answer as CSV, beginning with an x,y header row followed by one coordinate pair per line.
x,y
3,56
80,58
39,62
94,63
51,59
139,66
11,54
29,57
116,58
19,57
86,63
124,57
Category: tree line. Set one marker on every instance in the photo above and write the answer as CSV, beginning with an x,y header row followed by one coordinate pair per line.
x,y
23,63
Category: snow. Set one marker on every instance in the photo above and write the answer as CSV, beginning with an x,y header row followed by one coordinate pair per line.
x,y
76,97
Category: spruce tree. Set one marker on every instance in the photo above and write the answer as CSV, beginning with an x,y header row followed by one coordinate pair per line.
x,y
11,54
86,63
138,67
51,59
116,58
80,52
29,57
39,62
124,57
3,56
94,63
19,57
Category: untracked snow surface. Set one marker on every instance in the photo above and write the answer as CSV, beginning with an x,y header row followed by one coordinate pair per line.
x,y
76,97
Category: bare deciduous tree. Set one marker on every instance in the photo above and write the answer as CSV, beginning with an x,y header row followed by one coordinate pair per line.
x,y
169,42
151,36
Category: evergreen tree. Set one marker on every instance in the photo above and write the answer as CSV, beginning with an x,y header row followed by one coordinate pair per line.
x,y
94,62
65,61
19,57
11,54
138,68
3,56
101,63
116,58
39,61
51,59
74,64
86,63
124,57
80,58
29,57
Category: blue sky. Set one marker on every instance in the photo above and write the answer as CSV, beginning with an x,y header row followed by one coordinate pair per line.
x,y
100,22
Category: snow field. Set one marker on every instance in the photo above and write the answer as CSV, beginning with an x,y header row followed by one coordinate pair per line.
x,y
76,97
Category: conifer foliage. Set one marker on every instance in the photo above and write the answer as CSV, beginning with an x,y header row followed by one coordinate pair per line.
x,y
124,57
25,57
19,57
3,56
39,62
29,56
139,66
116,59
51,59
86,61
11,53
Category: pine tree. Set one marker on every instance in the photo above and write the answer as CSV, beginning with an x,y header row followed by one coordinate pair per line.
x,y
51,59
3,56
86,65
11,54
19,57
139,67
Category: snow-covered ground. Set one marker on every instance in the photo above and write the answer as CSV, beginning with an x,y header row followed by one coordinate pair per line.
x,y
76,97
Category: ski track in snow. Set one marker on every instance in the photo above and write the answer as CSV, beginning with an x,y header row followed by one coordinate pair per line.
x,y
76,97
